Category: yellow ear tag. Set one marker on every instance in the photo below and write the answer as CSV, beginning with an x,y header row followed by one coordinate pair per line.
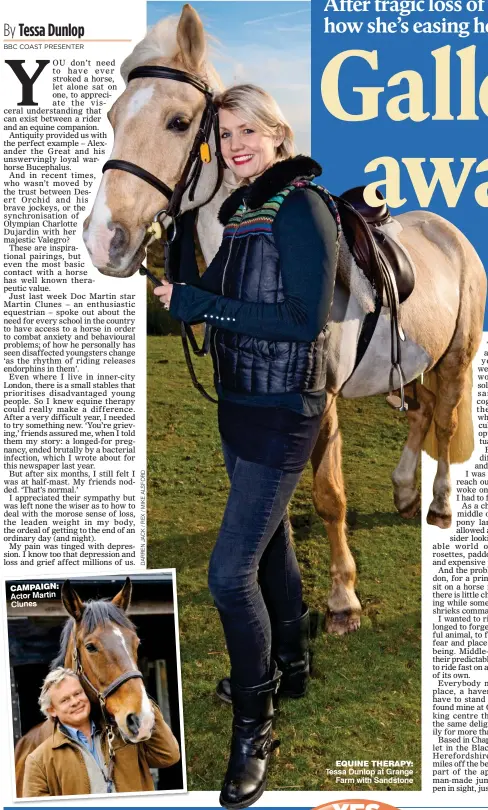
x,y
205,153
155,230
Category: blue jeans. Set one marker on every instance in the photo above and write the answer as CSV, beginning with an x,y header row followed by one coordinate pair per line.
x,y
253,574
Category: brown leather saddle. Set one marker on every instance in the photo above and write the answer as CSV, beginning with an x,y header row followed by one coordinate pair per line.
x,y
374,251
388,268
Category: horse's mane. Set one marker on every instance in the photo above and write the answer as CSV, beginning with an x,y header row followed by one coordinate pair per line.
x,y
160,42
97,612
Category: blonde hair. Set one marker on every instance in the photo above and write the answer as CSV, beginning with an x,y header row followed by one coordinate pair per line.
x,y
54,678
255,105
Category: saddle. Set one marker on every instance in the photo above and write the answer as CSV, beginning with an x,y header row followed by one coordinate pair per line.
x,y
375,253
390,272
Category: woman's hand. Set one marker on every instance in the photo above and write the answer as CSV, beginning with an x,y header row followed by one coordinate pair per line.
x,y
164,292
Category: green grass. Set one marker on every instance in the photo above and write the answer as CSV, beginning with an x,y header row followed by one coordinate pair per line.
x,y
364,698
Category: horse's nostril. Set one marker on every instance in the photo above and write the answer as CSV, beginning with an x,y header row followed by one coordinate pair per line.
x,y
133,723
119,242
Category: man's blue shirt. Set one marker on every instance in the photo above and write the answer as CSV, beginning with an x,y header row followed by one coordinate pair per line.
x,y
89,744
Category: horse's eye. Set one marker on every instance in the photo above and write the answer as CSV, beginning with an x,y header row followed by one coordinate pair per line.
x,y
179,123
91,647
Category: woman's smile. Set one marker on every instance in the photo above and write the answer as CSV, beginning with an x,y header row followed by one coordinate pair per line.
x,y
240,159
246,150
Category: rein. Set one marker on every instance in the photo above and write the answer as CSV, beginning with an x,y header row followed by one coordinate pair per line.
x,y
199,154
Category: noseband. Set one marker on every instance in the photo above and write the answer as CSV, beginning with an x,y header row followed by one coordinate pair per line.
x,y
200,150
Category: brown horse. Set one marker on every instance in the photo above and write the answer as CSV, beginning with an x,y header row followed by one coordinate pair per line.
x,y
100,643
155,123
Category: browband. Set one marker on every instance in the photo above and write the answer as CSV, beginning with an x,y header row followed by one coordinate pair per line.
x,y
160,72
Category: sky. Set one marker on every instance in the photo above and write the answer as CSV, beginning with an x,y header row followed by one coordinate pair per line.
x,y
264,43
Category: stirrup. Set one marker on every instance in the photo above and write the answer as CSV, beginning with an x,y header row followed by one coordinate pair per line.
x,y
398,403
410,403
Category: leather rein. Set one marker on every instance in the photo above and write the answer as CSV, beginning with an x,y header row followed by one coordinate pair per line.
x,y
199,154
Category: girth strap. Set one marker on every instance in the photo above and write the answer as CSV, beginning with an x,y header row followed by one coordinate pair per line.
x,y
133,168
366,334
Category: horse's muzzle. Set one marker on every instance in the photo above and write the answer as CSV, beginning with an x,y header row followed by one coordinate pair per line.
x,y
138,727
112,248
119,243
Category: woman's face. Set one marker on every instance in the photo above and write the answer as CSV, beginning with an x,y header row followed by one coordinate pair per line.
x,y
246,151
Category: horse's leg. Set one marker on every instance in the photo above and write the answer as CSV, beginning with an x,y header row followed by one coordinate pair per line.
x,y
451,380
330,502
404,477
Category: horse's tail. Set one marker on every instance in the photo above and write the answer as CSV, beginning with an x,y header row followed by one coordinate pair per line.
x,y
462,443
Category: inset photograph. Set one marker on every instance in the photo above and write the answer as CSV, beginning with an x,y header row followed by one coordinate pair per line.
x,y
96,687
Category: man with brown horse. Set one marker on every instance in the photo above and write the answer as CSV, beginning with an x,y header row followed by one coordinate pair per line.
x,y
80,757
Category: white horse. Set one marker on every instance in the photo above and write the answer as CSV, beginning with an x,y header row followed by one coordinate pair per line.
x,y
442,319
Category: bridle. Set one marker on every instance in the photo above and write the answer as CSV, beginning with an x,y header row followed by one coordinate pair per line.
x,y
111,688
102,697
199,154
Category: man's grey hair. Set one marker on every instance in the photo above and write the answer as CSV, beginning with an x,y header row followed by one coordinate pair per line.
x,y
54,678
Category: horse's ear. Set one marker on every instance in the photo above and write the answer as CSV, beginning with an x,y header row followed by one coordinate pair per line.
x,y
191,39
122,599
72,601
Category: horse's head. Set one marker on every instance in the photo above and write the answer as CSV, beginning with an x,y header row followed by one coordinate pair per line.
x,y
155,122
100,642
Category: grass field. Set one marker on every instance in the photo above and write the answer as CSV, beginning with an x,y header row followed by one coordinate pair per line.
x,y
364,699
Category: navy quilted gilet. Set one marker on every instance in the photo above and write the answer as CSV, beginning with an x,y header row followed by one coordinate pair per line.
x,y
250,271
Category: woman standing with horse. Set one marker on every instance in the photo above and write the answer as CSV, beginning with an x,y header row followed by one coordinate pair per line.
x,y
267,295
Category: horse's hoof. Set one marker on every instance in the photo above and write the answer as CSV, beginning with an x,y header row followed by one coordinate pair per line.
x,y
435,519
338,624
412,510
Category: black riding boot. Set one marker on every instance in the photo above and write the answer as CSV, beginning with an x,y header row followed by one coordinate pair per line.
x,y
252,743
291,653
290,650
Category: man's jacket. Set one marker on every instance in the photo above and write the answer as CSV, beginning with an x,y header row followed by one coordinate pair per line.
x,y
57,767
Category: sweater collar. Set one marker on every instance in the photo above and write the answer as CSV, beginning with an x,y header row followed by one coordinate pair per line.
x,y
268,184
